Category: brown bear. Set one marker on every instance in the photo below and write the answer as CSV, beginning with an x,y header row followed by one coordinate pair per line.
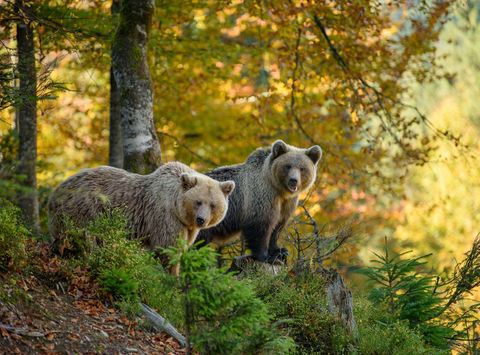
x,y
265,197
173,201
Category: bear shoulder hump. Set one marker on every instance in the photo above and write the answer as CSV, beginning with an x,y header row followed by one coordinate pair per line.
x,y
258,156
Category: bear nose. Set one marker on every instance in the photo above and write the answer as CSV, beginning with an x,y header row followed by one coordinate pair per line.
x,y
293,182
200,221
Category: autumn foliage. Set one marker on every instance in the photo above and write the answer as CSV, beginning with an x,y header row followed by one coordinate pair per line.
x,y
388,89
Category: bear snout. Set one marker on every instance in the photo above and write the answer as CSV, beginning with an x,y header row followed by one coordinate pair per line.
x,y
200,221
293,184
293,180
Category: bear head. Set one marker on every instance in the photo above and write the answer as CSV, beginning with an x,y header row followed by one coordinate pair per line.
x,y
293,170
203,201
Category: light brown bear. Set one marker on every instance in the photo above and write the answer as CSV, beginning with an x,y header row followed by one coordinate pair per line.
x,y
173,201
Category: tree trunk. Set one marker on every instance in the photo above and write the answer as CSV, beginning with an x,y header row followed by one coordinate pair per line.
x,y
130,68
27,119
115,156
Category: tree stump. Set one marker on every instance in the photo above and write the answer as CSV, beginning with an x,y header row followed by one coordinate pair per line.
x,y
339,299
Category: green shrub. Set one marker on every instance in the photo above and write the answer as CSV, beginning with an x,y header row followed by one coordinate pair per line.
x,y
223,314
299,303
410,294
108,246
13,237
119,283
76,240
124,268
380,333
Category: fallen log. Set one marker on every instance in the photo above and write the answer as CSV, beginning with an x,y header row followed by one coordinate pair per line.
x,y
162,324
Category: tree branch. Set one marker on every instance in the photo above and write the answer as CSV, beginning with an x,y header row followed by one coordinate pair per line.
x,y
380,96
162,324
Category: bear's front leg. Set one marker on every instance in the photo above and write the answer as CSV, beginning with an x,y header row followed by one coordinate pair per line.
x,y
192,236
175,270
258,238
187,236
275,253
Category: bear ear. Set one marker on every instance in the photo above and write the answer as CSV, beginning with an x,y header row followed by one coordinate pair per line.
x,y
279,148
314,153
188,181
227,187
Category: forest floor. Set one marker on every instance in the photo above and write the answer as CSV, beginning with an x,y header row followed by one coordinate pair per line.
x,y
46,313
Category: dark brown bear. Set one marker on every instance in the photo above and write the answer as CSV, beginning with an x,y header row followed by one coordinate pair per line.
x,y
265,197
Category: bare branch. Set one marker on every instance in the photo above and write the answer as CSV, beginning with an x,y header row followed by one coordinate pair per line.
x,y
466,276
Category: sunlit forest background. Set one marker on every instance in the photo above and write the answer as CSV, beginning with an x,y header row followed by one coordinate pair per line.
x,y
388,89
229,78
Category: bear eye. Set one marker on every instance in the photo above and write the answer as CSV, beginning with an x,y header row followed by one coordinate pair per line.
x,y
198,203
288,167
302,169
212,206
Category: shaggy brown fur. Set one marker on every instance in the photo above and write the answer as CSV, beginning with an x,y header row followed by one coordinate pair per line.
x,y
173,201
265,196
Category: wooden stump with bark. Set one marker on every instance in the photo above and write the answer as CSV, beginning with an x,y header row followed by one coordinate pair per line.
x,y
339,299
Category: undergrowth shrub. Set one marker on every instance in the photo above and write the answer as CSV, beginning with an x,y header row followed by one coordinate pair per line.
x,y
380,333
124,269
220,314
119,283
403,288
13,237
299,303
223,314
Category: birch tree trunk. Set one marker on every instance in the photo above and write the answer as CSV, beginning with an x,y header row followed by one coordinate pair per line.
x,y
27,118
115,156
130,68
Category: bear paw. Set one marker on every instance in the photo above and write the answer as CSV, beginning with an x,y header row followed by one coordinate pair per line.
x,y
278,254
